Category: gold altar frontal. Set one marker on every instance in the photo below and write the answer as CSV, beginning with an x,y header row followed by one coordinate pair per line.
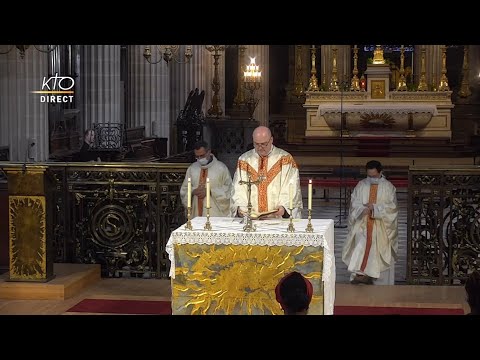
x,y
225,272
238,279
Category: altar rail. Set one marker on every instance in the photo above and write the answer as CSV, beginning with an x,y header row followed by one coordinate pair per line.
x,y
117,214
443,224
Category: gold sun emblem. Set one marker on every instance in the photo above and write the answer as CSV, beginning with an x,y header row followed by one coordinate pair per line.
x,y
239,279
27,237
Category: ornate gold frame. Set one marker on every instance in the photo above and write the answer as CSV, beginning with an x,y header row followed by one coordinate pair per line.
x,y
377,89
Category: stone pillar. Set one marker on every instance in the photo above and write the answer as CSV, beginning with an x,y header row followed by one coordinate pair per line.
x,y
344,63
23,117
417,62
183,79
433,60
149,92
474,65
261,54
101,84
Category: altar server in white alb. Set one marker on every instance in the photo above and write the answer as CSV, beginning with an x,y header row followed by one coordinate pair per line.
x,y
279,187
371,246
207,166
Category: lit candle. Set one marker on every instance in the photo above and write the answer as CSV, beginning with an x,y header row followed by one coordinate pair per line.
x,y
208,192
310,192
290,194
189,192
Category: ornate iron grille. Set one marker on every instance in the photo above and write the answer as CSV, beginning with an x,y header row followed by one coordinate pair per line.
x,y
120,217
444,225
109,136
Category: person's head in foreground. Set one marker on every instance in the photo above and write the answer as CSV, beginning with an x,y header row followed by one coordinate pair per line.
x,y
472,287
294,293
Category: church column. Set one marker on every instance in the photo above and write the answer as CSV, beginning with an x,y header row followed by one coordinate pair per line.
x,y
433,59
474,64
326,65
149,92
417,62
261,54
183,79
101,84
23,117
344,64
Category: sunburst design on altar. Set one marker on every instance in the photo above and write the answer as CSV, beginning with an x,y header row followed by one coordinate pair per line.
x,y
229,279
375,120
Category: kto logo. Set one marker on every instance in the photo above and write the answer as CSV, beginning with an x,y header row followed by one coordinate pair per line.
x,y
56,85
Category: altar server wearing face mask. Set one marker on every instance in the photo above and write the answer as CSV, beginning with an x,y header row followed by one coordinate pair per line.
x,y
371,246
207,166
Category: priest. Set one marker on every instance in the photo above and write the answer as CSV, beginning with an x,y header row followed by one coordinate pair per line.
x,y
207,166
278,179
371,245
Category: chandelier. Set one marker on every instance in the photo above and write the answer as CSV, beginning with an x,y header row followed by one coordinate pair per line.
x,y
251,82
23,48
168,53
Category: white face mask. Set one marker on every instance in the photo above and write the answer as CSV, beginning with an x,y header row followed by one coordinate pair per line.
x,y
203,161
373,180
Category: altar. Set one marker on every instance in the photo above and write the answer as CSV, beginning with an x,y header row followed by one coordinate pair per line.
x,y
227,271
377,110
406,117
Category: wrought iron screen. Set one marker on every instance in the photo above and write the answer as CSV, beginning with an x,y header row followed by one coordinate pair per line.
x,y
443,224
109,136
120,217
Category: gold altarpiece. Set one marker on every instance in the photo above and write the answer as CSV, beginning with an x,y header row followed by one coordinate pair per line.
x,y
375,109
30,223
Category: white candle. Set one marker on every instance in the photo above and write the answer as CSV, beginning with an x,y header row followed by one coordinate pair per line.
x,y
290,194
208,192
189,192
310,192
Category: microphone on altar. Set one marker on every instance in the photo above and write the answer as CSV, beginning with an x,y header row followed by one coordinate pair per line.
x,y
30,144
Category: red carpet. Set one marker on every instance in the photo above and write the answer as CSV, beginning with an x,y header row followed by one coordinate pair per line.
x,y
164,308
371,310
123,307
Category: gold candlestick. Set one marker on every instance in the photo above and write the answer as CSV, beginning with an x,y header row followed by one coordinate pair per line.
x,y
188,225
216,109
402,81
309,227
422,85
290,225
208,225
334,80
249,225
443,86
313,84
355,83
464,91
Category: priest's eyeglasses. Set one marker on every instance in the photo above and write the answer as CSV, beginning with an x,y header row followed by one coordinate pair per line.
x,y
265,144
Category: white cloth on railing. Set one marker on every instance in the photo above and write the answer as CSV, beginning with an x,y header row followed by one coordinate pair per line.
x,y
273,232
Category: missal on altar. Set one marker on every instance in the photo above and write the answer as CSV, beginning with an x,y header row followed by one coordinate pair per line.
x,y
262,215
